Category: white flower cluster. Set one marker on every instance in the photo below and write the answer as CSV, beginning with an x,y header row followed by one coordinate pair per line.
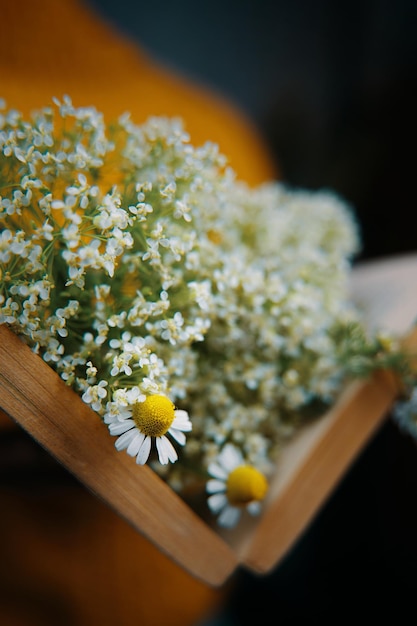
x,y
138,267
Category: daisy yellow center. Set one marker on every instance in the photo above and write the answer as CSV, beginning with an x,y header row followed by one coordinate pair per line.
x,y
245,484
154,416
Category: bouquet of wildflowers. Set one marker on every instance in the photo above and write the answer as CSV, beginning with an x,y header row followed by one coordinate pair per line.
x,y
203,320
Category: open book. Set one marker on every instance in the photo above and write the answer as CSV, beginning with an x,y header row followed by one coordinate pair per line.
x,y
308,470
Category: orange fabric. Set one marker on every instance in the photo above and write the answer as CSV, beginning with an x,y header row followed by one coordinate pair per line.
x,y
65,557
68,560
51,48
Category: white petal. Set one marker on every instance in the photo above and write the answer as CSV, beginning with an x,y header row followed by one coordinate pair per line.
x,y
215,486
182,421
124,440
166,450
254,508
230,457
215,470
178,435
144,451
229,517
217,502
117,428
135,444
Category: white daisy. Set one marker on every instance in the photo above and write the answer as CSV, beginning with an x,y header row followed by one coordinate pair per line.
x,y
235,486
152,418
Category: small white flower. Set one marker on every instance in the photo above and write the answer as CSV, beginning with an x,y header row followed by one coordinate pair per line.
x,y
8,312
151,419
235,486
95,394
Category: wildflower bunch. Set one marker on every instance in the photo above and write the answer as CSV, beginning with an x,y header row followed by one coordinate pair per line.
x,y
203,320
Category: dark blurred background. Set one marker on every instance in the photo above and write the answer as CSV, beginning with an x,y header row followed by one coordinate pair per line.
x,y
331,85
332,88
